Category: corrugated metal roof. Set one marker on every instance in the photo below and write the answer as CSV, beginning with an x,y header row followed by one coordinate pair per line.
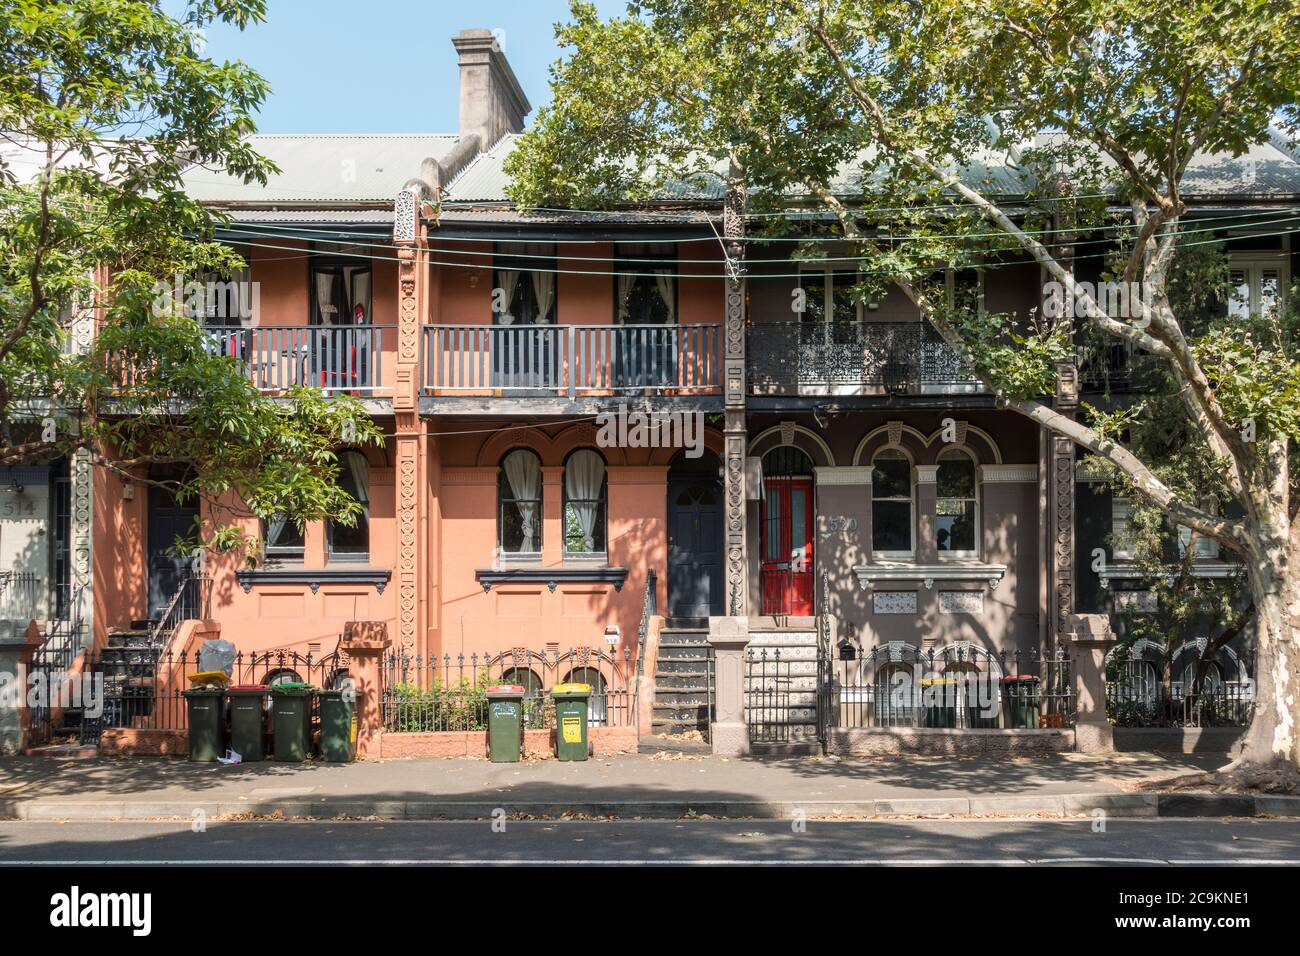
x,y
380,216
1263,171
326,167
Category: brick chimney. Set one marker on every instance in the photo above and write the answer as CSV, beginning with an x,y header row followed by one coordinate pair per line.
x,y
492,103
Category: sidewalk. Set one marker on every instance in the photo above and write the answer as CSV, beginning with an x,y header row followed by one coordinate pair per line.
x,y
662,786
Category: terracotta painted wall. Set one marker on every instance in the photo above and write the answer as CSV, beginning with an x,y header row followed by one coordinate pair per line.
x,y
118,549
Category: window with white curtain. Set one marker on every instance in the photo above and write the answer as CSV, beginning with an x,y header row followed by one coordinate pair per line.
x,y
526,277
519,496
585,497
956,505
645,283
340,292
284,540
892,509
352,543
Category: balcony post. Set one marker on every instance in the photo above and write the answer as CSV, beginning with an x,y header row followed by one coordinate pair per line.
x,y
571,370
735,432
410,570
1061,508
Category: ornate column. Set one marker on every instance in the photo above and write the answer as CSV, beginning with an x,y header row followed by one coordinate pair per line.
x,y
735,436
410,491
1061,507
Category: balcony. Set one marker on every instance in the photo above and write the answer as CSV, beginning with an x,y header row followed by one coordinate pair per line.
x,y
339,359
854,358
572,360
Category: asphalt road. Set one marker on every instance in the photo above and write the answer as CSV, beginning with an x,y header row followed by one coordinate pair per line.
x,y
628,842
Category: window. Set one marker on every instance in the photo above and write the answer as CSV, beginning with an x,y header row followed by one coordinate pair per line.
x,y
284,540
1258,288
956,505
1121,528
352,543
340,292
525,275
519,490
223,300
828,296
891,505
645,284
585,495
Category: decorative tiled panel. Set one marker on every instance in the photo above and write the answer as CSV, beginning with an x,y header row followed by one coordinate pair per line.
x,y
1143,602
894,602
961,602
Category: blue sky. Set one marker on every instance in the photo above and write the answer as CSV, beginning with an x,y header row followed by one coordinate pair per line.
x,y
384,66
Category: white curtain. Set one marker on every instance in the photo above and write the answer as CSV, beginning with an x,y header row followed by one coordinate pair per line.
x,y
544,290
275,529
525,477
360,297
360,470
325,303
664,281
509,279
625,283
583,477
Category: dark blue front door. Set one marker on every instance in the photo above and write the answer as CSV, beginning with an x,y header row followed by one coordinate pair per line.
x,y
695,578
167,521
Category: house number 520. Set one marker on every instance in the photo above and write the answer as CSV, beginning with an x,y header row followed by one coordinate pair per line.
x,y
837,523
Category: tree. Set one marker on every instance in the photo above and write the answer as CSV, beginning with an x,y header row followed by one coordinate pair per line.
x,y
103,106
906,101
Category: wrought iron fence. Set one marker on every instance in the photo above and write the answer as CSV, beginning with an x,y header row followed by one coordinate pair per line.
x,y
1137,696
778,704
139,685
449,693
960,686
898,357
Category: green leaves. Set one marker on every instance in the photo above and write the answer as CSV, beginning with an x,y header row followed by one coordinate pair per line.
x,y
107,103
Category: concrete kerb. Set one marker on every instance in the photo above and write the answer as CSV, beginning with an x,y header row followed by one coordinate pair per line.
x,y
1056,805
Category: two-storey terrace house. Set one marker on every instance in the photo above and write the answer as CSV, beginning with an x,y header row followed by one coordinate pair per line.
x,y
843,464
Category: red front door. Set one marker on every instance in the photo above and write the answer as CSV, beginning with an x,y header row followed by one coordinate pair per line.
x,y
787,546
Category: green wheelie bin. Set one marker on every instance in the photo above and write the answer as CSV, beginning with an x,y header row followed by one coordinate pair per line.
x,y
505,722
291,705
982,706
939,701
338,738
248,720
1020,699
207,728
571,720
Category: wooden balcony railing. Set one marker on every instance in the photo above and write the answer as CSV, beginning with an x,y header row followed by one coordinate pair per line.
x,y
335,358
572,359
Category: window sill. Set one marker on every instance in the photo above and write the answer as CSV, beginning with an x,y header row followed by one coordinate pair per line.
x,y
1202,568
552,577
313,577
951,570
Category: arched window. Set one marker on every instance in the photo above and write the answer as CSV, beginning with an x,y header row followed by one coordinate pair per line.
x,y
519,492
895,697
352,542
598,703
956,507
586,493
892,519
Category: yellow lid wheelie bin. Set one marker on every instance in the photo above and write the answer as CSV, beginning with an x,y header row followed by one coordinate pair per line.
x,y
571,720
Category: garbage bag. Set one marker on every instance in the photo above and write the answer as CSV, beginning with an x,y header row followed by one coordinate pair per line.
x,y
217,656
